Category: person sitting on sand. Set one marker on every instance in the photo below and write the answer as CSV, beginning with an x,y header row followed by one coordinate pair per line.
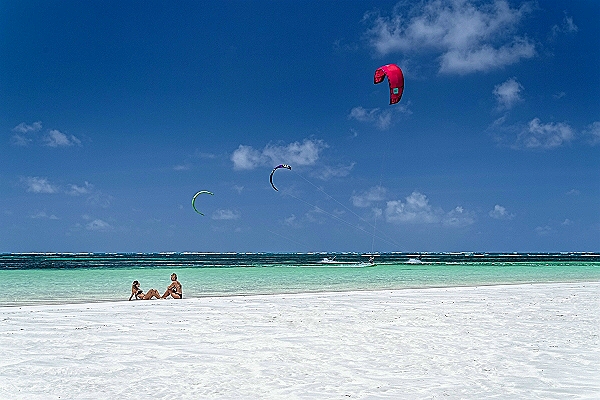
x,y
138,293
174,289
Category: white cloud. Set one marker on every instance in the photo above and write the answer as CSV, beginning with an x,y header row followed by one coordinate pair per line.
x,y
52,138
371,196
24,128
42,214
55,138
316,215
468,36
75,190
381,118
226,214
593,133
291,221
305,153
98,225
238,188
20,138
500,212
544,230
182,167
99,199
508,93
340,171
246,157
36,184
567,26
544,136
417,210
458,217
485,58
94,197
537,135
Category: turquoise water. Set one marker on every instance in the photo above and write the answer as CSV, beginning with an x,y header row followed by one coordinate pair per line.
x,y
27,279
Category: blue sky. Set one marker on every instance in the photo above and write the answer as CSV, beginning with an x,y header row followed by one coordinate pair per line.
x,y
114,114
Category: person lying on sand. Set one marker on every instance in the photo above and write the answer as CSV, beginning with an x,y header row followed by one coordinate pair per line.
x,y
138,293
174,289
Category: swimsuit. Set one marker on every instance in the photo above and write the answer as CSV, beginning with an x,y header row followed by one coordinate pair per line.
x,y
174,290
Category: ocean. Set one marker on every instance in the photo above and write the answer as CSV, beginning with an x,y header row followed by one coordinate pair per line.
x,y
61,278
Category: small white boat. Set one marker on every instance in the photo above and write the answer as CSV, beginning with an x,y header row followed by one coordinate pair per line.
x,y
335,263
332,260
413,260
328,260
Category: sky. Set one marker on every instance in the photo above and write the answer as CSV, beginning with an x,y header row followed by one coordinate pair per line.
x,y
113,114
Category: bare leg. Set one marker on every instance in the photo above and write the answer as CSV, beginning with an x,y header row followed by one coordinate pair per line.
x,y
152,293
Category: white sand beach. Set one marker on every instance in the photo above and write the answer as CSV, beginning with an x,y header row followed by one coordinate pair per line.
x,y
537,341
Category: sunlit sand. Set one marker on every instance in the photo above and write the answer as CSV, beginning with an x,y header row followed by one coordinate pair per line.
x,y
516,341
